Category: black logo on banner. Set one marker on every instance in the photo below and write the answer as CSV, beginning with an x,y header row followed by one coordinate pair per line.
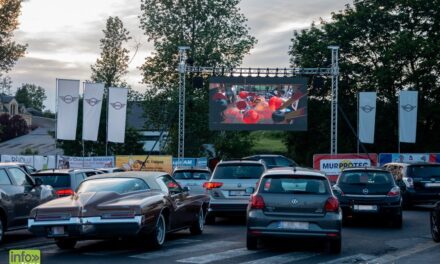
x,y
92,101
367,108
408,107
68,99
117,105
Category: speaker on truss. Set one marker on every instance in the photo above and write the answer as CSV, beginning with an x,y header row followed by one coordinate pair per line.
x,y
198,82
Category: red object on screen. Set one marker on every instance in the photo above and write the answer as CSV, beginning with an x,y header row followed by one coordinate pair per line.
x,y
251,117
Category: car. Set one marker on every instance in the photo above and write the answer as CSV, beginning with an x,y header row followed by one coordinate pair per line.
x,y
296,203
90,172
111,170
369,192
19,194
146,205
27,168
419,182
273,161
64,181
192,177
230,187
435,222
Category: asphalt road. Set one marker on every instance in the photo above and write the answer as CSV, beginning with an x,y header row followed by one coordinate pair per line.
x,y
364,241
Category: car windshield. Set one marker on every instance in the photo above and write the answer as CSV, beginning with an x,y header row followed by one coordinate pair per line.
x,y
299,185
366,178
118,185
238,171
191,175
60,180
424,171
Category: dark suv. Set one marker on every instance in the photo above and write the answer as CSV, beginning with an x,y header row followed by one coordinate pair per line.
x,y
64,181
273,161
419,182
369,191
19,194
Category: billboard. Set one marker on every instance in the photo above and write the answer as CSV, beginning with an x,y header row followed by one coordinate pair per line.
x,y
258,103
407,157
67,162
154,163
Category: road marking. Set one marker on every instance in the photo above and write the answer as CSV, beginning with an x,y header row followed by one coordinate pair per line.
x,y
217,256
284,258
359,258
392,257
167,252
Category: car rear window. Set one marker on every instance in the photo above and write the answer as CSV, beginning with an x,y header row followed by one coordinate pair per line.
x,y
238,171
424,171
191,175
294,185
366,178
118,185
55,180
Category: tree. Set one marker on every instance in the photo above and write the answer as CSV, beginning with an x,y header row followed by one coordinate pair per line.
x,y
12,127
385,46
217,36
5,85
10,51
108,69
31,96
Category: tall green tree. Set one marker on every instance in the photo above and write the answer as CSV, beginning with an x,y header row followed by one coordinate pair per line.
x,y
109,69
217,35
31,95
385,46
10,51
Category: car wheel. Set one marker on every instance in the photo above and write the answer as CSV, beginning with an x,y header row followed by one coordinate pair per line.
x,y
435,225
210,219
335,246
159,233
2,230
197,226
65,243
251,242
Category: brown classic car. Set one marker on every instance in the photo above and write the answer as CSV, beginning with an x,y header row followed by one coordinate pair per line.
x,y
118,205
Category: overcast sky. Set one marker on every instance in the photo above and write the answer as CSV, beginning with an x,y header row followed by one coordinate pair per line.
x,y
63,36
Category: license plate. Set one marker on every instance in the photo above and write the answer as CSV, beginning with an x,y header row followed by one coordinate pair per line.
x,y
365,207
432,184
294,225
58,230
237,193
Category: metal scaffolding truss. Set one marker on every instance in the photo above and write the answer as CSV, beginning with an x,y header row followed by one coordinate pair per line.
x,y
333,71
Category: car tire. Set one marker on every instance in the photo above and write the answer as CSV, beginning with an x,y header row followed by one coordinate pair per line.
x,y
335,246
65,243
435,225
157,238
251,242
210,219
2,229
197,226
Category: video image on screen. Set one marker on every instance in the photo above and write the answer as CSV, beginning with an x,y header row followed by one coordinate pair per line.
x,y
258,103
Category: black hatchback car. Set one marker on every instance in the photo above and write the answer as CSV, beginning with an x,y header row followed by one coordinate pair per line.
x,y
369,191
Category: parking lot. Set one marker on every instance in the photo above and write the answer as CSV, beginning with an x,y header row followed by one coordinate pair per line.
x,y
363,241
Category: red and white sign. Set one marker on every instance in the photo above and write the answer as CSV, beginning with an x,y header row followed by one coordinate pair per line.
x,y
332,165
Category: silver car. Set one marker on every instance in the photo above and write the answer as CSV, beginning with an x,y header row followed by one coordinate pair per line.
x,y
193,178
296,203
230,187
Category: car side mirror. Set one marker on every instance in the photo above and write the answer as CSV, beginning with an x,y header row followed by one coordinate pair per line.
x,y
38,181
186,189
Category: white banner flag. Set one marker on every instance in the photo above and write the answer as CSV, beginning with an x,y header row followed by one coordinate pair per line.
x,y
367,116
93,93
117,110
67,116
408,116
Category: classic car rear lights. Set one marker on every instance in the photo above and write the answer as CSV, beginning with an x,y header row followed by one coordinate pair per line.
x,y
257,202
212,185
51,216
331,205
65,192
395,191
126,214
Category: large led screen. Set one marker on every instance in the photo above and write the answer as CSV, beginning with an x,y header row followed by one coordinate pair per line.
x,y
258,103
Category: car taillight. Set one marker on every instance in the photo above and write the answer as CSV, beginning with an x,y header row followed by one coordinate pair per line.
x,y
331,205
395,191
121,214
65,192
257,202
212,185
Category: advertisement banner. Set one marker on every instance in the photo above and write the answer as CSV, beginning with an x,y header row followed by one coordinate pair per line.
x,y
258,103
117,112
190,162
332,165
385,158
154,163
92,105
67,108
407,116
367,116
36,161
67,162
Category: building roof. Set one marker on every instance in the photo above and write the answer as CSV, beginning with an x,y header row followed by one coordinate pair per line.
x,y
6,98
